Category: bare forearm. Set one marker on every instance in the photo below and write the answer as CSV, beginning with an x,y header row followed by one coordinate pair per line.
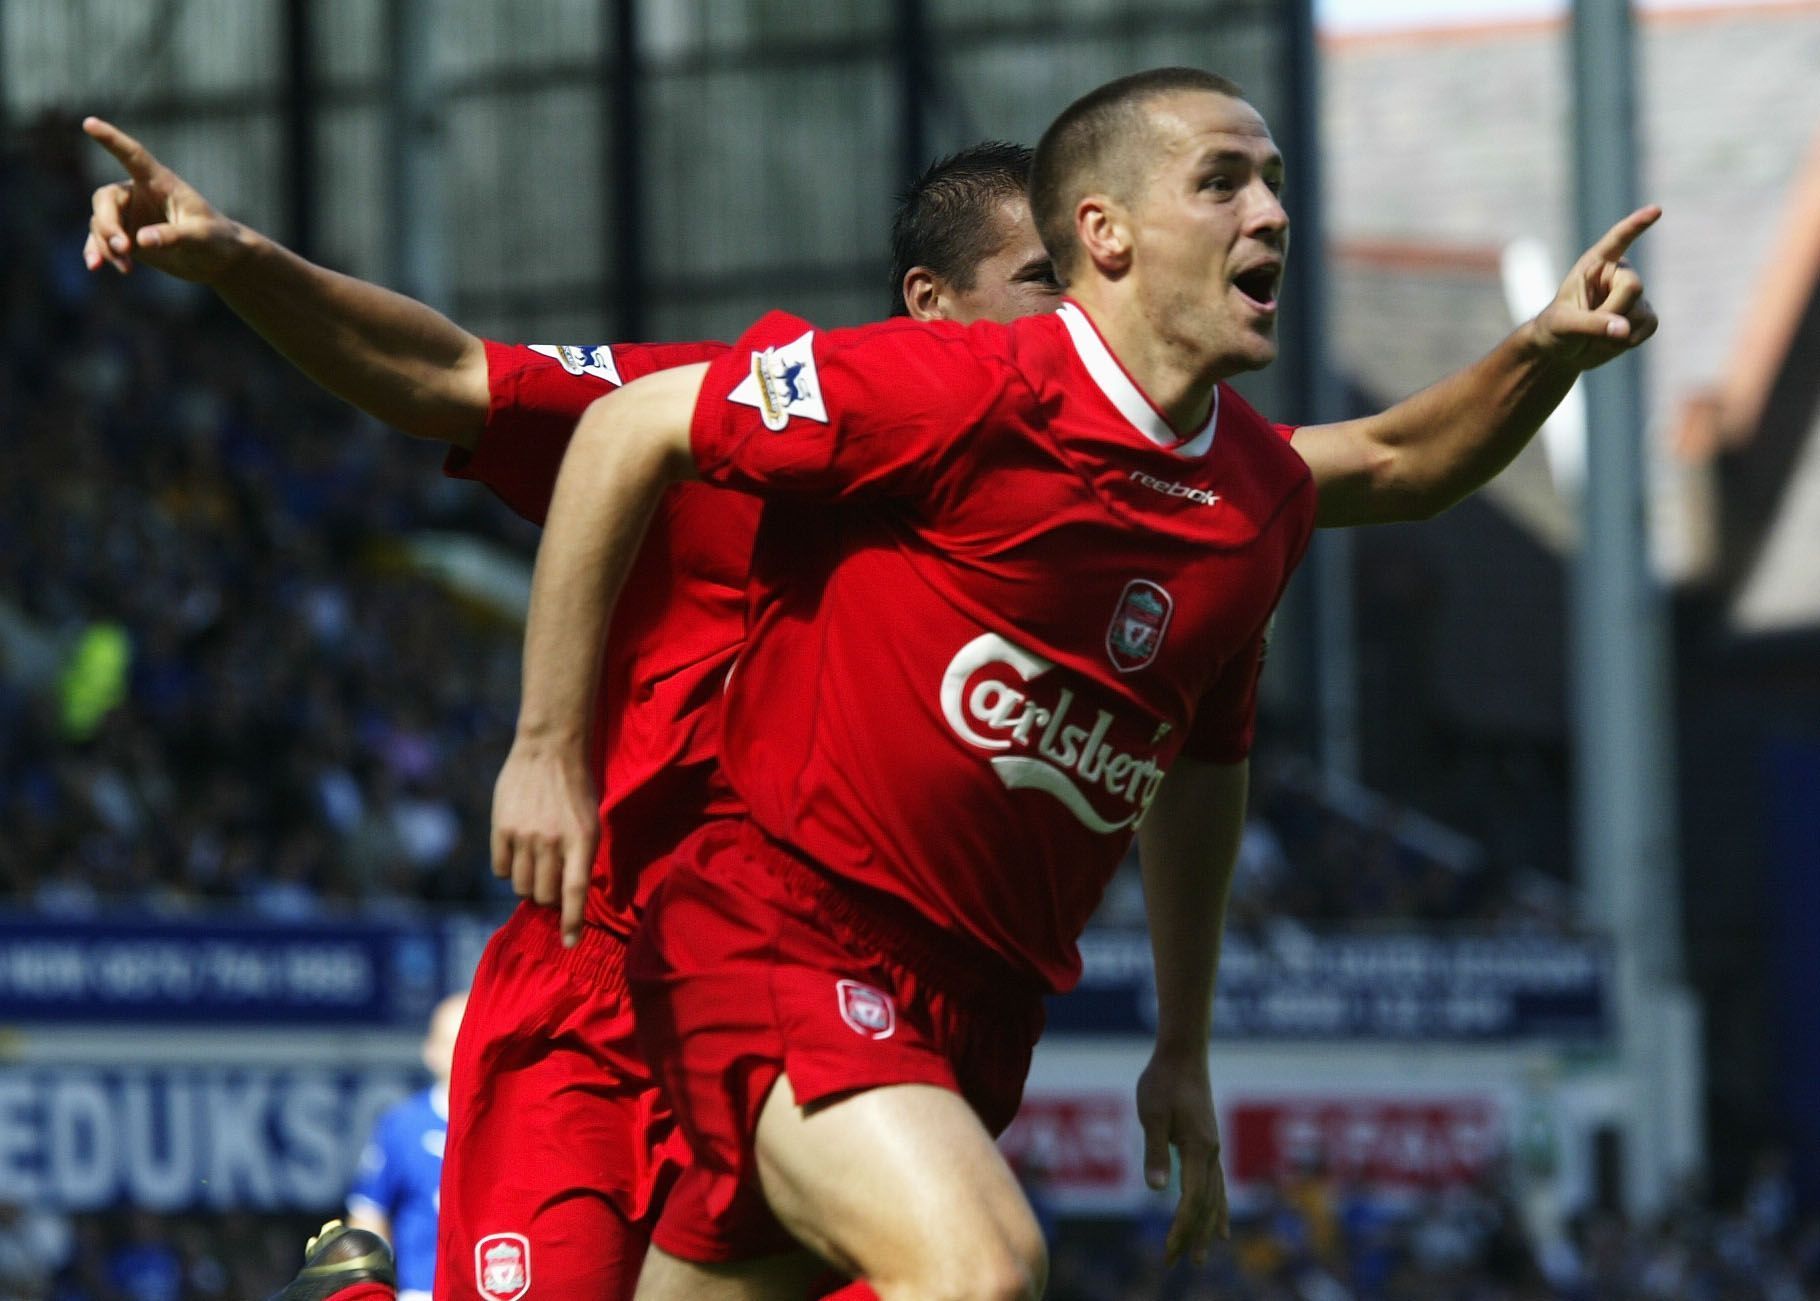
x,y
627,449
1427,452
1188,846
393,357
604,498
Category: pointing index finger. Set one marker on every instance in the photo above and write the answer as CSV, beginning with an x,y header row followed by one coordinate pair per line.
x,y
576,863
133,156
1614,243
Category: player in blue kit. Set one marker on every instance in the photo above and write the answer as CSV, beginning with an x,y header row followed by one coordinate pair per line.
x,y
395,1192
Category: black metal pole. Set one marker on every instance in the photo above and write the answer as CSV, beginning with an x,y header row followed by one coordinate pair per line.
x,y
1311,394
915,81
1301,323
6,106
299,129
624,172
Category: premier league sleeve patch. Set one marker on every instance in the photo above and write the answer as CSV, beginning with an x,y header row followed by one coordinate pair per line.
x,y
579,360
782,383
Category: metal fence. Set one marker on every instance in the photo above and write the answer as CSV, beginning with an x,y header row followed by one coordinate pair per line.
x,y
580,168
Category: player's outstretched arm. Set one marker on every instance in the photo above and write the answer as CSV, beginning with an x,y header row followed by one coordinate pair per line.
x,y
629,447
1429,451
1188,844
393,357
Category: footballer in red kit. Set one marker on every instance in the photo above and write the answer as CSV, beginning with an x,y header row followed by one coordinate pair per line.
x,y
1034,597
556,1133
1008,602
1038,680
656,733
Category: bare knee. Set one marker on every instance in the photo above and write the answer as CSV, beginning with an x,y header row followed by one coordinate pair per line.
x,y
1010,1265
1021,1271
1032,1256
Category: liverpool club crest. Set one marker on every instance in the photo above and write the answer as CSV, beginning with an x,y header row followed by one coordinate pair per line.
x,y
502,1266
1138,625
867,1011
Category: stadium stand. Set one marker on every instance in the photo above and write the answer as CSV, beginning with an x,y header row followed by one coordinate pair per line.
x,y
221,682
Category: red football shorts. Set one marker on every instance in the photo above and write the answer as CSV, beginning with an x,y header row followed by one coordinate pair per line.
x,y
751,963
560,1147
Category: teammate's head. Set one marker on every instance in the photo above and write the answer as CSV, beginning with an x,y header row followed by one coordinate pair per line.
x,y
439,1041
963,246
1164,186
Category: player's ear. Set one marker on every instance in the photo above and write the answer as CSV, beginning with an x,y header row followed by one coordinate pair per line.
x,y
923,291
1101,225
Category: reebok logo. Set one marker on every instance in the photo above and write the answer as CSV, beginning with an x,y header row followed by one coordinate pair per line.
x,y
1170,488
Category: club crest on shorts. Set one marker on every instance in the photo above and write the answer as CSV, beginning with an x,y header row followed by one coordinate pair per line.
x,y
502,1266
867,1011
1138,625
782,383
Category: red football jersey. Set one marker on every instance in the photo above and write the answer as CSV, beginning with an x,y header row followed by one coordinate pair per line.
x,y
678,625
994,596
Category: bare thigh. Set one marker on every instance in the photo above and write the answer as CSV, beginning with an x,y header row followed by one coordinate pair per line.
x,y
902,1186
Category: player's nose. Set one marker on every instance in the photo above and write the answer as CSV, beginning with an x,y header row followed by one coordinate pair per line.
x,y
1268,220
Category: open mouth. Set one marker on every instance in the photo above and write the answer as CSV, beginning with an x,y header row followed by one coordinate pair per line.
x,y
1259,284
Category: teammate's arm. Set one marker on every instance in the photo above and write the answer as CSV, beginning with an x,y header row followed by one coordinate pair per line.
x,y
1188,844
629,447
1429,451
393,357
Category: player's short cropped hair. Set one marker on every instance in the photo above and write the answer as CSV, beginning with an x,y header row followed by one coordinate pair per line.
x,y
1092,148
948,219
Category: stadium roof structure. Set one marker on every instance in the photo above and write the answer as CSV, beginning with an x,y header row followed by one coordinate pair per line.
x,y
1445,146
1760,428
1404,315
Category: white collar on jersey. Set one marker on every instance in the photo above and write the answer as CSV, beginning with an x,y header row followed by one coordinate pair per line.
x,y
1124,393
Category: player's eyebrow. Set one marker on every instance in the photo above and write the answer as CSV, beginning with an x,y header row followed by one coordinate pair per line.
x,y
1272,161
1037,268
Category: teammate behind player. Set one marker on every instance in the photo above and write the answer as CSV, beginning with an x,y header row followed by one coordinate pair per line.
x,y
963,245
897,901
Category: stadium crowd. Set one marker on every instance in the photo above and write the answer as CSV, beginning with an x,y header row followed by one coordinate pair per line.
x,y
1309,1240
221,683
